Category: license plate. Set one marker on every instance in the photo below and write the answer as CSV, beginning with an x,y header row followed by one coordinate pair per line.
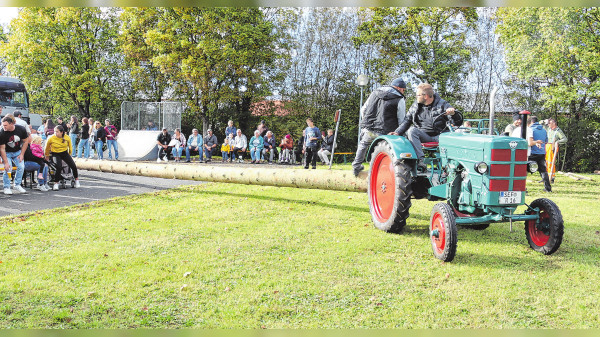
x,y
510,197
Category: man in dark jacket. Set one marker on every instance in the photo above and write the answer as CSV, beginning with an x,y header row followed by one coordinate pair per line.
x,y
381,114
162,142
424,122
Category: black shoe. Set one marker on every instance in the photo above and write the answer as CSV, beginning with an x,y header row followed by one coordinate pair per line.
x,y
306,167
314,167
357,171
187,161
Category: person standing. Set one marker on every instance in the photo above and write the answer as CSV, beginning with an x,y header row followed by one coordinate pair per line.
x,y
14,141
111,139
83,148
100,139
426,120
74,130
381,114
556,137
510,128
230,129
59,121
311,143
537,139
21,122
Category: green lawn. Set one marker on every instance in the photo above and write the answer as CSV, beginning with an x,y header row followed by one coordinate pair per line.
x,y
236,256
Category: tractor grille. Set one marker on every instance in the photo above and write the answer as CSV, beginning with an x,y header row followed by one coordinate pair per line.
x,y
508,176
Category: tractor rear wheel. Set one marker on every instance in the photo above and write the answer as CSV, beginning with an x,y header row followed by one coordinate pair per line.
x,y
546,235
389,189
443,232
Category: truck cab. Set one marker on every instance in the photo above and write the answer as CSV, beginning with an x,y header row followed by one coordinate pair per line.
x,y
13,97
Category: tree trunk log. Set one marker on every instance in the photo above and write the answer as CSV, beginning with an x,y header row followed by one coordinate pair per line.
x,y
337,180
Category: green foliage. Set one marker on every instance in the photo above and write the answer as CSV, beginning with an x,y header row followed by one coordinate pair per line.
x,y
64,54
429,44
211,54
555,52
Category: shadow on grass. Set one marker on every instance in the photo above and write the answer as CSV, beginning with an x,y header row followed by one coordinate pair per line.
x,y
300,202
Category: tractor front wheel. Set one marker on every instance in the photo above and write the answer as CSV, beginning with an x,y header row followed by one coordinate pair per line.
x,y
545,234
443,232
389,189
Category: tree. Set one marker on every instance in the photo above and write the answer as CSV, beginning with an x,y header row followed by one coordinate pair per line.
x,y
427,44
64,53
149,82
321,71
557,51
212,53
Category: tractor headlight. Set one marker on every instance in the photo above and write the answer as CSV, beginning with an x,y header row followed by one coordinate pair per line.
x,y
481,167
532,166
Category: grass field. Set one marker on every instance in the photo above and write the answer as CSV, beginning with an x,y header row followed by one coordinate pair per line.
x,y
236,256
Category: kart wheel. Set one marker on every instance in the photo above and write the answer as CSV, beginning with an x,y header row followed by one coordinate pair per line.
x,y
389,189
72,183
546,235
443,232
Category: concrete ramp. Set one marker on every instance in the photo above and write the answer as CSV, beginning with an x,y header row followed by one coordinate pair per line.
x,y
137,145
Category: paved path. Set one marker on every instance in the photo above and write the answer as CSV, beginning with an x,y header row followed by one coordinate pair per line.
x,y
94,186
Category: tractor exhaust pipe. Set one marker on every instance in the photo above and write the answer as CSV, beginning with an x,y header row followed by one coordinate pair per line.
x,y
492,112
523,116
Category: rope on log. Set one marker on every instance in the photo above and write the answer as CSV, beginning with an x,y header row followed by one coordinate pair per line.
x,y
336,180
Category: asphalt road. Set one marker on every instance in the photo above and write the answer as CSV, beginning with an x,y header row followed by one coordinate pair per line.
x,y
94,186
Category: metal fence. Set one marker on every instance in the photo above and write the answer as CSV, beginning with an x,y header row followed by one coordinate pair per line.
x,y
151,115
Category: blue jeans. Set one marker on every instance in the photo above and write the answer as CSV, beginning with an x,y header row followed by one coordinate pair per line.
x,y
187,152
83,146
177,152
225,155
12,157
99,145
73,144
33,166
112,143
208,153
254,153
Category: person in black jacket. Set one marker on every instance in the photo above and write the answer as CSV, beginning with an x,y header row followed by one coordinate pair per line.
x,y
426,120
100,139
162,142
381,114
326,147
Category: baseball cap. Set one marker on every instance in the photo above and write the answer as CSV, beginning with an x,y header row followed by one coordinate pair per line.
x,y
398,83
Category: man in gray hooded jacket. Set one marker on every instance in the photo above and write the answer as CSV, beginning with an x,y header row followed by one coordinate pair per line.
x,y
381,114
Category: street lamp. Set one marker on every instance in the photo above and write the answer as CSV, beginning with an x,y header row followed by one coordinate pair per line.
x,y
362,80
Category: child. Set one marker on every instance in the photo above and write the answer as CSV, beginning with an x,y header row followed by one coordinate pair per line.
x,y
38,154
225,149
231,155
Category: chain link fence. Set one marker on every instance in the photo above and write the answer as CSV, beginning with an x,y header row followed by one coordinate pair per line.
x,y
151,115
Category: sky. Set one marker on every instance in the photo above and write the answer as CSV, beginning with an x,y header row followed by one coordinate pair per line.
x,y
7,14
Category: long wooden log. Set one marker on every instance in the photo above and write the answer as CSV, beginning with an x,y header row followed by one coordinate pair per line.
x,y
339,180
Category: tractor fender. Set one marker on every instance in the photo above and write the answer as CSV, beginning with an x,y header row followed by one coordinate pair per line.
x,y
401,146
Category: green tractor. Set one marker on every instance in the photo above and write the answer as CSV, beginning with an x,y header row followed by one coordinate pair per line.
x,y
481,178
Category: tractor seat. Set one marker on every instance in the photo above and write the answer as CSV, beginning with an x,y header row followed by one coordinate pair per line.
x,y
430,145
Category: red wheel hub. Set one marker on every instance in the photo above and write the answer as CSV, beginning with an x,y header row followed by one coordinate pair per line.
x,y
538,237
439,241
382,187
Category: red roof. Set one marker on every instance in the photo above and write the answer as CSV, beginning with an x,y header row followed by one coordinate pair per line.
x,y
269,108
